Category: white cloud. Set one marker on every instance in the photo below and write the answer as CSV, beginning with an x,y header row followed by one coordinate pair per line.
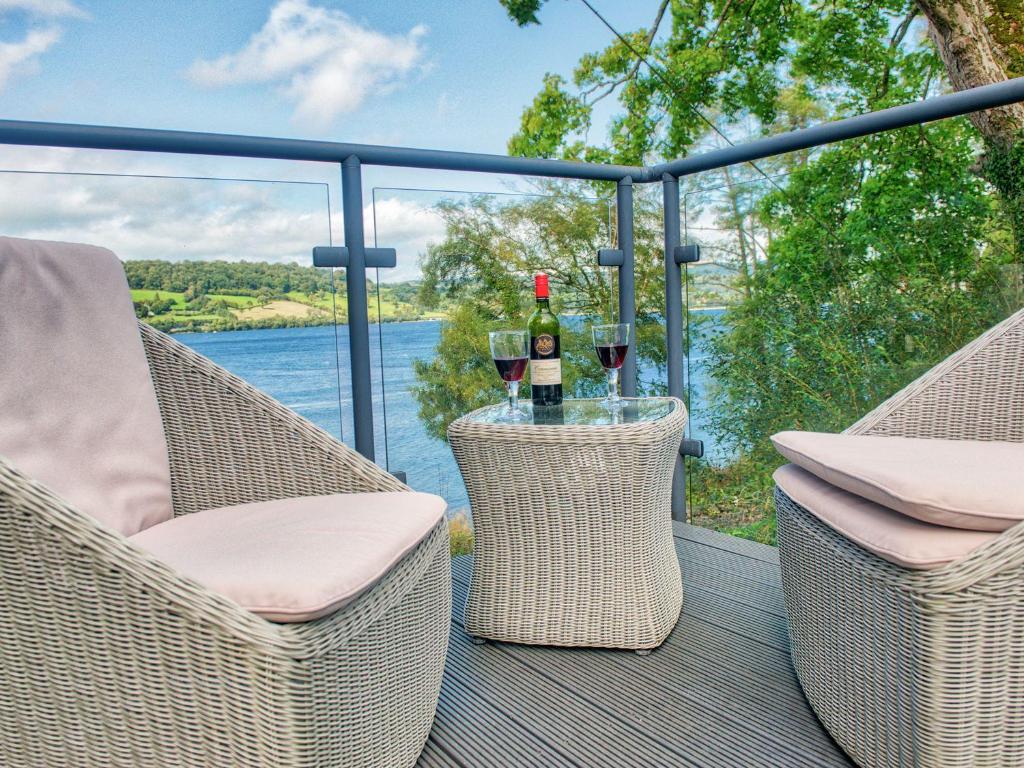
x,y
322,60
99,198
407,226
162,218
49,8
23,55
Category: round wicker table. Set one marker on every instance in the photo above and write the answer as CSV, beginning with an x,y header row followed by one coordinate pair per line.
x,y
572,517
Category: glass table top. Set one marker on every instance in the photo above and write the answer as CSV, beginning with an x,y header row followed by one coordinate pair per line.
x,y
580,412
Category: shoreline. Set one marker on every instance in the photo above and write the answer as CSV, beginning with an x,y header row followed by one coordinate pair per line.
x,y
384,321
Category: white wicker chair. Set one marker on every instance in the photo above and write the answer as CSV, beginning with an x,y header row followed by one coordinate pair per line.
x,y
918,669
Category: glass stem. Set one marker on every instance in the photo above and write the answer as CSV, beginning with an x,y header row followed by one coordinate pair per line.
x,y
513,395
613,384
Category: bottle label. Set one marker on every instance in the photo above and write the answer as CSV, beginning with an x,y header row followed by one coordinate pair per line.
x,y
544,372
544,344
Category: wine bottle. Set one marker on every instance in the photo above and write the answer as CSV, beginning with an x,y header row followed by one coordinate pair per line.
x,y
545,349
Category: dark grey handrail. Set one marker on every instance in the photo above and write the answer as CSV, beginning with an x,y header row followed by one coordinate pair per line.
x,y
925,111
233,145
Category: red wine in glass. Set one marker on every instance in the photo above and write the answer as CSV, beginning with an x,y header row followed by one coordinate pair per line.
x,y
510,351
512,368
612,343
611,355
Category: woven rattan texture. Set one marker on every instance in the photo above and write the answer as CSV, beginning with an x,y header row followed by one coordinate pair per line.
x,y
229,443
975,394
109,658
573,531
918,669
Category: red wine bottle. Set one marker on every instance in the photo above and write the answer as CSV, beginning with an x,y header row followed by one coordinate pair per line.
x,y
545,349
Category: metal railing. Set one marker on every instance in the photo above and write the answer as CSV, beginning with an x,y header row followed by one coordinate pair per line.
x,y
356,257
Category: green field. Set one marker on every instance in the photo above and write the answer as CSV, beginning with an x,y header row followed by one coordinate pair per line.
x,y
234,301
227,311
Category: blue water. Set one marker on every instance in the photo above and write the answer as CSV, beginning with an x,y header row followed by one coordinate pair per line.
x,y
298,367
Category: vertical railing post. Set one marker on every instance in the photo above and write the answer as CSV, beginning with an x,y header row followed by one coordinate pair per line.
x,y
674,325
358,322
627,296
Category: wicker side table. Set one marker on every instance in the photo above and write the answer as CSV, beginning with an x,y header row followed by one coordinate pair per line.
x,y
572,517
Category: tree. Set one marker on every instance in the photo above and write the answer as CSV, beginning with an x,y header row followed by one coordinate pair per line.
x,y
848,270
982,42
737,60
483,269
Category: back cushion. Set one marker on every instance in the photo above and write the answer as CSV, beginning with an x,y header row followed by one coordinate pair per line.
x,y
972,484
77,407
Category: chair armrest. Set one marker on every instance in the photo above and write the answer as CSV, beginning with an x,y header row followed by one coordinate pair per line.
x,y
70,580
230,444
976,393
995,569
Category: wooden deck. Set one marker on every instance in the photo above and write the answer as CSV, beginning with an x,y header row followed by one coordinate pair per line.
x,y
719,693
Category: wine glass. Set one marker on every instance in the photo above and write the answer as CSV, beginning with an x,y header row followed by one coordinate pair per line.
x,y
511,352
612,343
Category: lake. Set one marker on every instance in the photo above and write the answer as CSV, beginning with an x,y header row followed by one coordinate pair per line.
x,y
298,367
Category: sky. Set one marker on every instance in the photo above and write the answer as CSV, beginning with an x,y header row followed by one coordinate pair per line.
x,y
453,75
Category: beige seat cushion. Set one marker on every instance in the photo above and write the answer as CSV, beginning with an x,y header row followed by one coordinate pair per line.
x,y
78,411
968,484
890,535
295,559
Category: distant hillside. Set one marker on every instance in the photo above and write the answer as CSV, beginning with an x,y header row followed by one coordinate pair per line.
x,y
221,296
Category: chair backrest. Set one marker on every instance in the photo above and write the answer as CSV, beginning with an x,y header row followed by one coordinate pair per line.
x,y
977,393
78,411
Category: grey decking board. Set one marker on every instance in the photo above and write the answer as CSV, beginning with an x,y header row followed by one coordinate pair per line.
x,y
719,693
736,618
746,547
640,689
582,731
757,571
736,589
643,699
477,732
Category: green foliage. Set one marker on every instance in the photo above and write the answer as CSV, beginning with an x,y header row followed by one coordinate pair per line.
x,y
547,122
460,535
213,296
730,62
856,267
523,12
884,267
237,277
1005,167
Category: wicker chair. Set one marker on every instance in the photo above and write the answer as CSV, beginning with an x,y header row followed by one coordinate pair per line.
x,y
109,657
918,668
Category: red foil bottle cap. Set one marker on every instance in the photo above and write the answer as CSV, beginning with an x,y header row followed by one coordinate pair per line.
x,y
541,281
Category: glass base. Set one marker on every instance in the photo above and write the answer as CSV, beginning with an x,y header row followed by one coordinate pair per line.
x,y
613,403
512,415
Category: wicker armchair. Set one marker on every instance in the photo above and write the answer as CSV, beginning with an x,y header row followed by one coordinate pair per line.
x,y
918,668
110,658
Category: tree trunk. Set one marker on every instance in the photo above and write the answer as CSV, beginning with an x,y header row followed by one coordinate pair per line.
x,y
982,42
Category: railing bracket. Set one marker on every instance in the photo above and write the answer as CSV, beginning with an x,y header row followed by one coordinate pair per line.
x,y
610,257
381,258
687,254
338,256
693,448
330,256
